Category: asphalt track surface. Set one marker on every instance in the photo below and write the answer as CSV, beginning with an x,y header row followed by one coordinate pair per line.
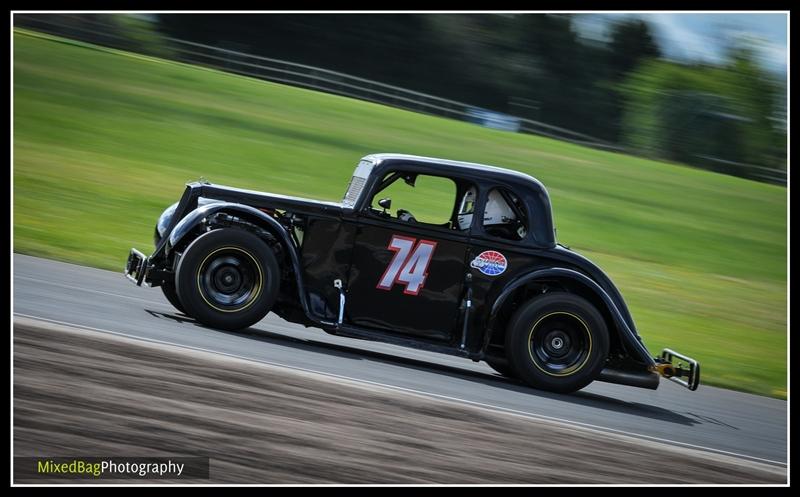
x,y
718,420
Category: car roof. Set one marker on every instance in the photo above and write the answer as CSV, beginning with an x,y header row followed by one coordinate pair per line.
x,y
472,169
532,192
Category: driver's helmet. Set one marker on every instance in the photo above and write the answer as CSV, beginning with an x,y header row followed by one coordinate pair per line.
x,y
497,210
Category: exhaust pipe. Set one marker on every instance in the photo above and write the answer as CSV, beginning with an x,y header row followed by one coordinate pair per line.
x,y
641,379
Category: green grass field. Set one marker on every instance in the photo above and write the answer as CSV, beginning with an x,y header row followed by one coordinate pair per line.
x,y
104,141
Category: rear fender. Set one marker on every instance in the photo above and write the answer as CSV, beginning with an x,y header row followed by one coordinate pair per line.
x,y
626,334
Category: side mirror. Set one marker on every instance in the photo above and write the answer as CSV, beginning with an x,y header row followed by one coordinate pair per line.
x,y
386,203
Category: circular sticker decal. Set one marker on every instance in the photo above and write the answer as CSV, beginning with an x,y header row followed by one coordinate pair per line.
x,y
490,262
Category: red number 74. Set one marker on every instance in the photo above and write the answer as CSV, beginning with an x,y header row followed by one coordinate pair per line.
x,y
409,265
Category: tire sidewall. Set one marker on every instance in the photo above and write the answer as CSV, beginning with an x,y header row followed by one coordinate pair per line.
x,y
520,329
188,290
168,289
502,367
168,286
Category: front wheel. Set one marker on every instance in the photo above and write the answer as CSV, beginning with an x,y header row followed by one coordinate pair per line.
x,y
557,342
168,287
502,367
228,278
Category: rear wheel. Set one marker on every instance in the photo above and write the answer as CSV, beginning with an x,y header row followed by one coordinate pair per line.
x,y
228,278
557,342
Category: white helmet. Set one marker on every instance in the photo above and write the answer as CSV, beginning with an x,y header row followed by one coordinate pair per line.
x,y
497,210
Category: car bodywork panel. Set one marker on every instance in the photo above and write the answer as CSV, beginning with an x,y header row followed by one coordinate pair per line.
x,y
322,242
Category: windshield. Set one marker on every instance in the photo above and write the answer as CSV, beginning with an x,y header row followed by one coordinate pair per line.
x,y
357,182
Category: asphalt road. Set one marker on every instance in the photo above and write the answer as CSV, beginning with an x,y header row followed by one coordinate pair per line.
x,y
718,420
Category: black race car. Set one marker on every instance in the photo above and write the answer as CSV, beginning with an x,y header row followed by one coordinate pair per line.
x,y
489,283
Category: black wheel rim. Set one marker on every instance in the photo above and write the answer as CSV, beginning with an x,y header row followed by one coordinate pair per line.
x,y
560,343
229,279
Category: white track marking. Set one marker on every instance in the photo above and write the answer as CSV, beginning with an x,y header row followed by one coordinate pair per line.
x,y
83,289
507,410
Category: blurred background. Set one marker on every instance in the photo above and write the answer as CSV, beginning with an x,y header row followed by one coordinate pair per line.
x,y
701,89
660,137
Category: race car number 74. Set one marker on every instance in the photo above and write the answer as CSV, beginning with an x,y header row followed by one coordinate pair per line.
x,y
409,266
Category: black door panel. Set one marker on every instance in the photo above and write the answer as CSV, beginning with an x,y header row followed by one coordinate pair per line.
x,y
406,278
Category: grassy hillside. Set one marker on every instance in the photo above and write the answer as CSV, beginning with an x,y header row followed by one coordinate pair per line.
x,y
104,140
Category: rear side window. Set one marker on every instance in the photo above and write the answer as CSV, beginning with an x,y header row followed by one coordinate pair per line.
x,y
505,216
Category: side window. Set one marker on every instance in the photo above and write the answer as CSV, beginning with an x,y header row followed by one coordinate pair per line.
x,y
416,198
505,216
466,209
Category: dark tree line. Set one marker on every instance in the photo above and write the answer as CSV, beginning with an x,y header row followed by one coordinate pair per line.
x,y
535,66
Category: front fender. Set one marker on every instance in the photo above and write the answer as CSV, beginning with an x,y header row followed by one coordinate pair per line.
x,y
164,219
196,217
626,333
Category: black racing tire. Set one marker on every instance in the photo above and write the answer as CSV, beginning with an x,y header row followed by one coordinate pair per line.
x,y
168,288
502,367
557,342
228,279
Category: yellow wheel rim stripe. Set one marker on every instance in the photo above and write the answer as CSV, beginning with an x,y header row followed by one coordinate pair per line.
x,y
588,334
260,279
